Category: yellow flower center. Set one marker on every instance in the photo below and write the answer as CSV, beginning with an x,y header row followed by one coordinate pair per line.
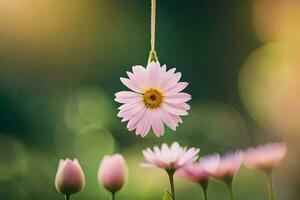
x,y
152,98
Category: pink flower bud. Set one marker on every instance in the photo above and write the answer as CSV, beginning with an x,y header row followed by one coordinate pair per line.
x,y
70,177
112,172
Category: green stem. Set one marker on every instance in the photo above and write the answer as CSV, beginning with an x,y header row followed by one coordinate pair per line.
x,y
230,190
270,186
113,195
152,57
171,178
204,186
67,197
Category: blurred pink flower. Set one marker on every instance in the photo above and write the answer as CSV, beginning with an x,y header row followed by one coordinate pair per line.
x,y
156,99
169,158
228,166
201,171
265,157
70,178
112,172
194,172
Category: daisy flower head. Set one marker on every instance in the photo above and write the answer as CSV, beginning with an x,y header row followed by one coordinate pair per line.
x,y
200,172
194,172
210,163
169,158
156,99
228,165
265,157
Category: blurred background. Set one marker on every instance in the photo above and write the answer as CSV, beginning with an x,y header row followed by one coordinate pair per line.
x,y
60,63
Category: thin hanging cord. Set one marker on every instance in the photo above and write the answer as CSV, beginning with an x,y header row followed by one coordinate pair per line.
x,y
152,55
153,24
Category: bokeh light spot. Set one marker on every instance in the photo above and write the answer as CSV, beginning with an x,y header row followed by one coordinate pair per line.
x,y
88,106
270,88
216,122
13,158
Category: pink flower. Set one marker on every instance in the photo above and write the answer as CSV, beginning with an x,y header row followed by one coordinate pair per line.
x,y
265,157
112,172
200,172
169,158
70,177
228,166
194,172
156,99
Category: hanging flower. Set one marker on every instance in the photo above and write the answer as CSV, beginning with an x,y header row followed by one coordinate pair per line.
x,y
169,158
156,99
265,157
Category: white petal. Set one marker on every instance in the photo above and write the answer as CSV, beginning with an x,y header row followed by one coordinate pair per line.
x,y
127,97
131,85
154,73
178,98
141,76
133,121
178,87
174,78
129,113
144,124
173,110
129,106
167,119
166,77
157,124
147,165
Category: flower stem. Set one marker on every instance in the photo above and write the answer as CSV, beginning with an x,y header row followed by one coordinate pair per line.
x,y
230,190
113,195
171,178
152,57
67,197
270,186
204,186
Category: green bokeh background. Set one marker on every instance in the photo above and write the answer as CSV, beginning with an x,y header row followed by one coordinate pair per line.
x,y
60,64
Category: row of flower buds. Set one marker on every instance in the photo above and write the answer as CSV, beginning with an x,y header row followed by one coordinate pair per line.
x,y
112,172
70,178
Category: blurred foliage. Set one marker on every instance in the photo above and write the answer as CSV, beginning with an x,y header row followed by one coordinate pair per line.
x,y
60,64
167,196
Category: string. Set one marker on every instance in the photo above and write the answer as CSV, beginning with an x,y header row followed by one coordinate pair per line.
x,y
152,55
153,24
